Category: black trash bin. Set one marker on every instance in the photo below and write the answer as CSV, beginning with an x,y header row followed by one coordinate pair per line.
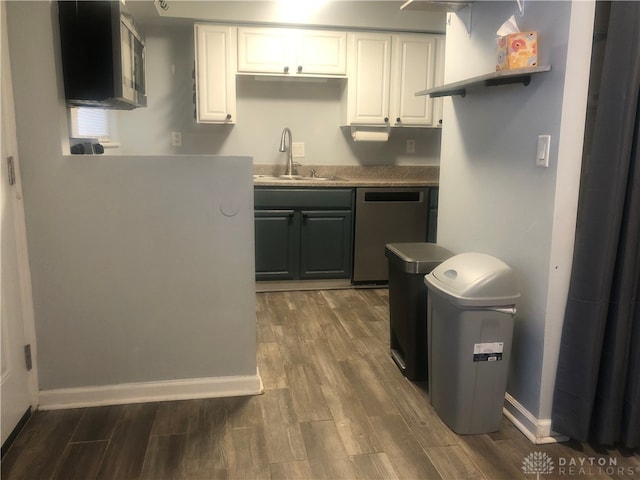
x,y
408,264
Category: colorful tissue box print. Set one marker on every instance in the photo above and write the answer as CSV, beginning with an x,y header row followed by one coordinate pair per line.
x,y
517,50
502,56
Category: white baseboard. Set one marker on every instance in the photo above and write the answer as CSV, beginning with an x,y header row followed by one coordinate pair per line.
x,y
537,430
211,387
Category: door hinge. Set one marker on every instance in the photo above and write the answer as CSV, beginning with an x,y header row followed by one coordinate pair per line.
x,y
27,356
12,171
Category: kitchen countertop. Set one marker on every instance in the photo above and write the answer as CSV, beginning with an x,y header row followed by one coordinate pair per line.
x,y
349,176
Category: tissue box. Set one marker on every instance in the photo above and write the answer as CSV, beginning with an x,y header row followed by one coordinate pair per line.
x,y
517,50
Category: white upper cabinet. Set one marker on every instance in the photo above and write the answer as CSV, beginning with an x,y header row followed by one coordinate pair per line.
x,y
264,50
413,65
320,52
369,76
215,51
292,51
385,72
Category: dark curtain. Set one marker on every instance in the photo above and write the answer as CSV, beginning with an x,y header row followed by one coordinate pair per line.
x,y
597,391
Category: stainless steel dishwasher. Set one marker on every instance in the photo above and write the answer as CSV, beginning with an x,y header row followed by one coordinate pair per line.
x,y
386,215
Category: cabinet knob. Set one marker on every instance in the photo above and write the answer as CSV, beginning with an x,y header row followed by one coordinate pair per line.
x,y
286,69
398,120
386,119
228,116
440,121
299,68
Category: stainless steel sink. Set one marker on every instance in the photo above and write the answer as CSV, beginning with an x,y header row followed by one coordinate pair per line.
x,y
291,177
275,178
269,178
332,178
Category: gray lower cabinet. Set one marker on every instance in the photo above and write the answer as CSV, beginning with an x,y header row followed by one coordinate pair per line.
x,y
303,233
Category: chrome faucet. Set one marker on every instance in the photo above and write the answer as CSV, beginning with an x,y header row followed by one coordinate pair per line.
x,y
287,132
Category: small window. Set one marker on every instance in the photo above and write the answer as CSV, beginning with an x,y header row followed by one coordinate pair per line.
x,y
90,123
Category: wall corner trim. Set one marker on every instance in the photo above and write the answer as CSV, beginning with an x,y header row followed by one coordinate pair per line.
x,y
537,430
93,396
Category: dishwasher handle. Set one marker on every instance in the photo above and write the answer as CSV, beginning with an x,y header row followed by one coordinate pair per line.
x,y
408,196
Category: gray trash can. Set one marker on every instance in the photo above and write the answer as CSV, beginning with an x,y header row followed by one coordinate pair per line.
x,y
408,264
469,330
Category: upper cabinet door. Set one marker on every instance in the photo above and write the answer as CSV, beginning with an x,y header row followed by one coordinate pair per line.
x,y
215,48
439,80
369,75
385,72
320,52
265,50
282,51
414,61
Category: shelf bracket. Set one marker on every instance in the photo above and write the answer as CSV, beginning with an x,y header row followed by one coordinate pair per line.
x,y
523,79
465,15
450,93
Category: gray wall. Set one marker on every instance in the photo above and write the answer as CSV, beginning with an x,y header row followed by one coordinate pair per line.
x,y
493,199
138,275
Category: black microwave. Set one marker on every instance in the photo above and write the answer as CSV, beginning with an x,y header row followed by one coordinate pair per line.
x,y
103,55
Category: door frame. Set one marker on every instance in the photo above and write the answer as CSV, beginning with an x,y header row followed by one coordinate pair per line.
x,y
17,204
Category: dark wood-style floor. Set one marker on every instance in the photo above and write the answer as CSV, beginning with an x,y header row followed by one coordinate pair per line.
x,y
335,406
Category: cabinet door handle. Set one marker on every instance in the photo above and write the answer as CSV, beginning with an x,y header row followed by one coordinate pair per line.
x,y
286,69
299,68
269,212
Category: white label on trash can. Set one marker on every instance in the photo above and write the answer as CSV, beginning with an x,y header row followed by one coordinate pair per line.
x,y
488,352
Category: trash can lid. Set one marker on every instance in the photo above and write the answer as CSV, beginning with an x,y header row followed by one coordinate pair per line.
x,y
417,257
474,280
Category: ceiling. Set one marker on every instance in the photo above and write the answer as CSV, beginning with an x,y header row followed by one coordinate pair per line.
x,y
386,15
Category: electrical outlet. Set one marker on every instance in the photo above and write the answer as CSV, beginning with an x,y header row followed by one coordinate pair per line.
x,y
411,146
297,149
176,139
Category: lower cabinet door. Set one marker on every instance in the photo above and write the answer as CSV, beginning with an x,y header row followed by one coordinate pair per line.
x,y
277,245
326,244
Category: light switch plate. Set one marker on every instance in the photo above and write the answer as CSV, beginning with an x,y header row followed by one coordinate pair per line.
x,y
542,151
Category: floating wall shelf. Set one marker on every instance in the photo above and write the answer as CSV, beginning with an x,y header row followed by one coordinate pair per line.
x,y
502,77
